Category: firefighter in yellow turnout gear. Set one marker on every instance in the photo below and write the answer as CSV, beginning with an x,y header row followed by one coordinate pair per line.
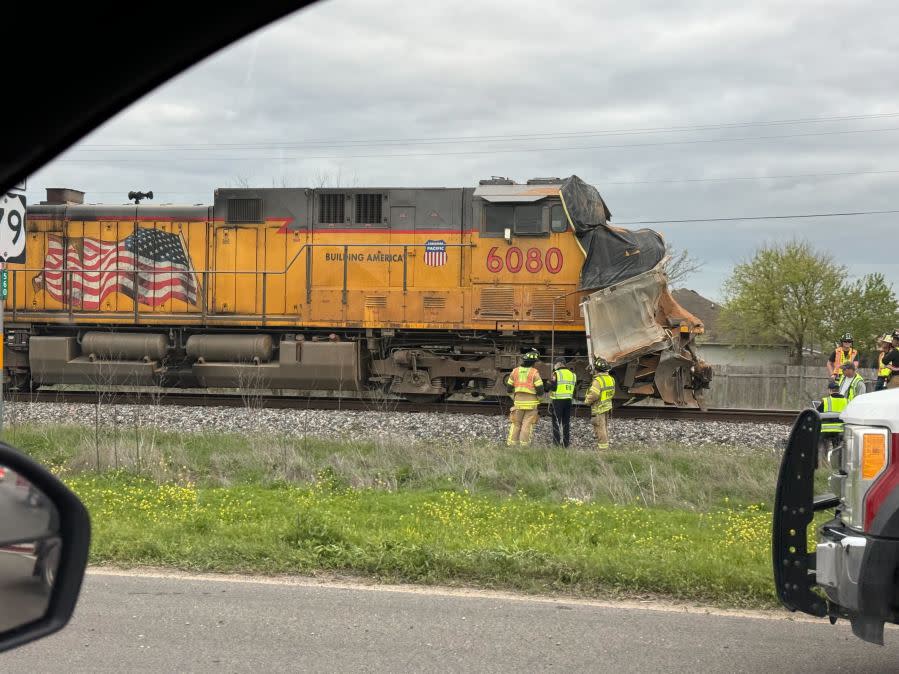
x,y
600,395
525,386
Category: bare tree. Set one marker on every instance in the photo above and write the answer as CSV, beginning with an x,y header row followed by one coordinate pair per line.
x,y
282,181
241,181
680,266
336,178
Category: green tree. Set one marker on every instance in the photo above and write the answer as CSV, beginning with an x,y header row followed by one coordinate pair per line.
x,y
866,308
785,294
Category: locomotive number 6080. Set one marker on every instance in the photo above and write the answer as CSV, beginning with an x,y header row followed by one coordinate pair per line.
x,y
532,260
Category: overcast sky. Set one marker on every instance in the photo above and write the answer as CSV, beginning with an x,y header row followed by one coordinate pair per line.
x,y
523,89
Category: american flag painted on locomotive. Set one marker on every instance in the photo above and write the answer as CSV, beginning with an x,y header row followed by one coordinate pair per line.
x,y
435,252
95,269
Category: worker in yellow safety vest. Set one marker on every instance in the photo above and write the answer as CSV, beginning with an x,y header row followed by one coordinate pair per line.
x,y
525,386
850,382
831,429
834,402
600,395
843,354
883,370
561,393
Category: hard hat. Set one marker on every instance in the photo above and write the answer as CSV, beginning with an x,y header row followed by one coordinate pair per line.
x,y
532,356
895,334
847,337
600,364
885,338
558,365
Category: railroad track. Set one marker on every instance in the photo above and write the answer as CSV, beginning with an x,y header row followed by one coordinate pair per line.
x,y
385,405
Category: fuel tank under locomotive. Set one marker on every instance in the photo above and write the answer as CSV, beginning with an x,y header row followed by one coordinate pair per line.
x,y
213,361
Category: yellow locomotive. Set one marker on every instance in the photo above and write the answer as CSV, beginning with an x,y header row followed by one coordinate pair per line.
x,y
422,293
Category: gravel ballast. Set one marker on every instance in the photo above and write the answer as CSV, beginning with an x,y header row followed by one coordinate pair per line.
x,y
389,426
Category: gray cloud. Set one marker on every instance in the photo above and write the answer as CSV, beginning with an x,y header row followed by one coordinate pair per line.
x,y
355,70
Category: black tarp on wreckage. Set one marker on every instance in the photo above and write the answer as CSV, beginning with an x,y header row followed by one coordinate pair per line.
x,y
612,254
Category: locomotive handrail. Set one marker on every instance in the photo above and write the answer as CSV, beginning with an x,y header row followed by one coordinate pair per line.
x,y
255,272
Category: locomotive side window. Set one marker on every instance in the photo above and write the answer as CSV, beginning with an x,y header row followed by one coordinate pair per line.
x,y
529,219
331,209
498,217
557,219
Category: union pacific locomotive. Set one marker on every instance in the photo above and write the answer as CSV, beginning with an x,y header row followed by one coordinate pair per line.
x,y
414,292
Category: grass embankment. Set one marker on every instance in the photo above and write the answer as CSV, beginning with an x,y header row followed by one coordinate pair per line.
x,y
688,523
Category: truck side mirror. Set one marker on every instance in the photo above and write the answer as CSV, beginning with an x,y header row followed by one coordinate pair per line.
x,y
507,234
44,541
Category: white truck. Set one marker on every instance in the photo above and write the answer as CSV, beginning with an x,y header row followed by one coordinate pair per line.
x,y
852,572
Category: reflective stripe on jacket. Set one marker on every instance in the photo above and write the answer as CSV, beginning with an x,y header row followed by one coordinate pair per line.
x,y
527,387
833,404
525,380
601,392
566,381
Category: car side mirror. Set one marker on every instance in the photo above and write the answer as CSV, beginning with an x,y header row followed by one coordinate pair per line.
x,y
44,541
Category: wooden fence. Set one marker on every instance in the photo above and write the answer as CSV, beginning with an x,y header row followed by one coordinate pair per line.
x,y
779,387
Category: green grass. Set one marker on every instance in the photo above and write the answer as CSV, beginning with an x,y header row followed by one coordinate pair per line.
x,y
674,476
450,537
687,523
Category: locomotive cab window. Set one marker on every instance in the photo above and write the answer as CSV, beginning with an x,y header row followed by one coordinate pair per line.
x,y
497,217
522,219
529,220
557,220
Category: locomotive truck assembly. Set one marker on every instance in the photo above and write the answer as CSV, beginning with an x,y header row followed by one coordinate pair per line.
x,y
415,292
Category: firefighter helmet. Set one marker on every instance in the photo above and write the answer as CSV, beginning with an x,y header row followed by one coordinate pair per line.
x,y
531,356
600,364
847,337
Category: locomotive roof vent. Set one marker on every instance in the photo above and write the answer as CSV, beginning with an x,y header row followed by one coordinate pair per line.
x,y
63,195
497,180
544,181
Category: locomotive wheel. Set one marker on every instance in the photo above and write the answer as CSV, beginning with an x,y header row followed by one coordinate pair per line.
x,y
22,381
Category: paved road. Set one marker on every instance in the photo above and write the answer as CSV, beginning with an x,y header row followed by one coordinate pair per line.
x,y
159,624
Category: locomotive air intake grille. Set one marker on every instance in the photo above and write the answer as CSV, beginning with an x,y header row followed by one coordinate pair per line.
x,y
432,302
331,209
244,210
498,302
368,208
542,305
